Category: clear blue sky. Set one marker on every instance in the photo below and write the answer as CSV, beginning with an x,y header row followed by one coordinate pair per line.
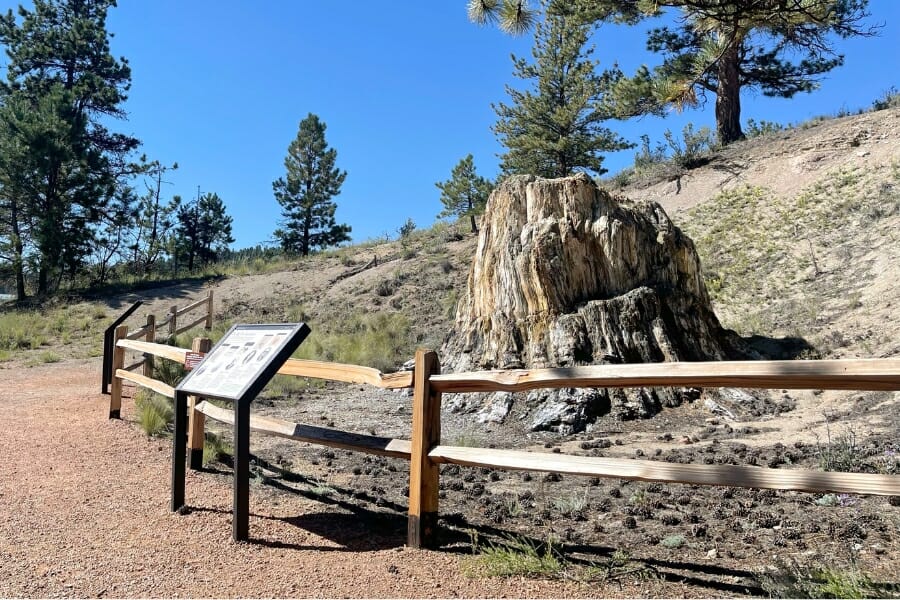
x,y
404,87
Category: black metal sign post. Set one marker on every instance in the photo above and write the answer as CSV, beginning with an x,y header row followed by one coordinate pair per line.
x,y
106,376
236,369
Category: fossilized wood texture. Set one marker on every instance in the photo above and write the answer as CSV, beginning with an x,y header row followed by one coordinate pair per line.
x,y
565,274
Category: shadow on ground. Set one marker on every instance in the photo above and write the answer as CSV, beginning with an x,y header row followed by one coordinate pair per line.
x,y
354,527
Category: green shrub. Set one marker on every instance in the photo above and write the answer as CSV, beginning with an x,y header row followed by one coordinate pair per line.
x,y
167,371
841,453
889,99
692,150
49,357
648,157
673,541
155,412
406,230
468,440
571,504
694,147
296,313
756,129
385,287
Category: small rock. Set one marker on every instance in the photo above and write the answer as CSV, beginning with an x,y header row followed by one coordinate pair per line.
x,y
712,554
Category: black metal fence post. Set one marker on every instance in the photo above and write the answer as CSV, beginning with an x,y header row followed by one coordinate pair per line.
x,y
108,347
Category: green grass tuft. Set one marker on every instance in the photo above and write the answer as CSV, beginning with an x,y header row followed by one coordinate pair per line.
x,y
155,412
516,557
215,449
379,340
793,580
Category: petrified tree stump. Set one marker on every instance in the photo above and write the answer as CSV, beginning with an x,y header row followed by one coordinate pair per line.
x,y
566,275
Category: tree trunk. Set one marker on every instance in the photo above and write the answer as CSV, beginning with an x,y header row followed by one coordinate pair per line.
x,y
728,96
306,224
567,275
42,279
18,249
472,215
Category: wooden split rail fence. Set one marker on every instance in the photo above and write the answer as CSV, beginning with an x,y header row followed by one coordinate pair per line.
x,y
173,324
425,451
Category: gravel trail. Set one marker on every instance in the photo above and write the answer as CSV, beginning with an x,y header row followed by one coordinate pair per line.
x,y
84,513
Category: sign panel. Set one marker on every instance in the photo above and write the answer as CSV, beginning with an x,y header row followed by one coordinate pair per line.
x,y
192,359
239,359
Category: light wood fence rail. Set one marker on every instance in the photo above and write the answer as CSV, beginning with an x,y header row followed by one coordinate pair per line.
x,y
171,325
425,451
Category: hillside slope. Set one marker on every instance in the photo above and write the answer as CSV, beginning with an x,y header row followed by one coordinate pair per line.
x,y
799,232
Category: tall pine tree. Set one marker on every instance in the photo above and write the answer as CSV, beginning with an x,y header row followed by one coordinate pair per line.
x,y
60,66
716,47
557,128
306,193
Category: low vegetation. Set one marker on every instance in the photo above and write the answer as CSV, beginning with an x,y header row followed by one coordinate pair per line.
x,y
380,340
216,449
77,327
791,579
770,262
154,412
514,557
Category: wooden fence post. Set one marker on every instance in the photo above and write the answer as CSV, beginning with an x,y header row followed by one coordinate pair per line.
x,y
173,320
150,337
197,420
118,362
209,311
424,473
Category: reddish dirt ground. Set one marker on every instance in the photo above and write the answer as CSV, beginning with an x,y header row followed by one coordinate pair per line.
x,y
84,513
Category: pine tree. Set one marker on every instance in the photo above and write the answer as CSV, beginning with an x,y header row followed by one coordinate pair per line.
x,y
203,231
15,226
61,67
306,193
465,193
557,128
719,47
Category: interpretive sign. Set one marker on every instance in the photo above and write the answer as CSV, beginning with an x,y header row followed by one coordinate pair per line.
x,y
236,369
229,369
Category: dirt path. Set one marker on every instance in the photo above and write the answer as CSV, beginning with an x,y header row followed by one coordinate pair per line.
x,y
84,512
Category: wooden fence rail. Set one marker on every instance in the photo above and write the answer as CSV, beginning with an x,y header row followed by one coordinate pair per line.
x,y
859,374
425,451
148,332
